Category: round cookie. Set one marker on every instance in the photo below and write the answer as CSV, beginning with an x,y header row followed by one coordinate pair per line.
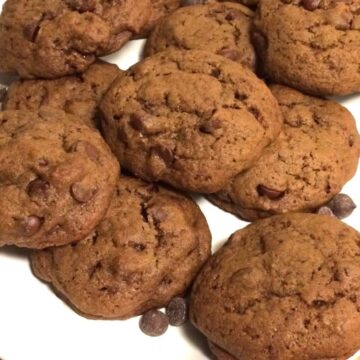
x,y
221,28
146,250
308,164
189,118
76,95
57,178
61,37
159,9
313,46
287,287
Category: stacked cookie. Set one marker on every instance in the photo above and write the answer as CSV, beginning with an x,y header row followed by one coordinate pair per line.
x,y
192,116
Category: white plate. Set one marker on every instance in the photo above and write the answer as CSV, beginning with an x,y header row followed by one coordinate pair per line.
x,y
37,325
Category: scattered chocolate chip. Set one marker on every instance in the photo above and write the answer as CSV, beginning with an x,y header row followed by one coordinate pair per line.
x,y
30,31
165,153
272,194
3,92
341,205
311,4
154,323
210,126
30,225
324,210
80,193
176,311
192,2
231,54
234,15
38,187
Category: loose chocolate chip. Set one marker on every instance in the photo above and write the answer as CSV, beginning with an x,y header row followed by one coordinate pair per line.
x,y
38,187
30,225
272,194
341,205
80,193
176,311
210,126
311,4
165,153
192,2
231,54
154,323
3,92
31,31
324,210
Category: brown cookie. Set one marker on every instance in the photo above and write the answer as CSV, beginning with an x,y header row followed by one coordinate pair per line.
x,y
251,3
221,28
76,95
313,46
57,178
287,287
145,251
308,164
192,119
54,38
159,9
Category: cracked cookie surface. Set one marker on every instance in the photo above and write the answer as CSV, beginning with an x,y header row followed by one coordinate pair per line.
x,y
145,251
57,177
61,37
309,163
313,46
189,118
287,287
221,28
76,95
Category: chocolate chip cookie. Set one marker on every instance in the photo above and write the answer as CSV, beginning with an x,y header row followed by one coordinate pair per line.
x,y
60,37
316,154
221,28
145,251
287,287
192,119
77,95
251,3
313,46
159,9
57,177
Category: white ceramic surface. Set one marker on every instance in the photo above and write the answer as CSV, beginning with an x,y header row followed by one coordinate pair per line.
x,y
36,325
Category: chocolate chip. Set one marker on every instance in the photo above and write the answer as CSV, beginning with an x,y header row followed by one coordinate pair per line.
x,y
192,2
82,5
89,149
30,225
210,126
351,141
234,15
137,121
38,187
3,92
80,193
165,153
310,4
42,162
272,194
324,210
231,54
31,30
341,205
154,323
176,311
158,213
